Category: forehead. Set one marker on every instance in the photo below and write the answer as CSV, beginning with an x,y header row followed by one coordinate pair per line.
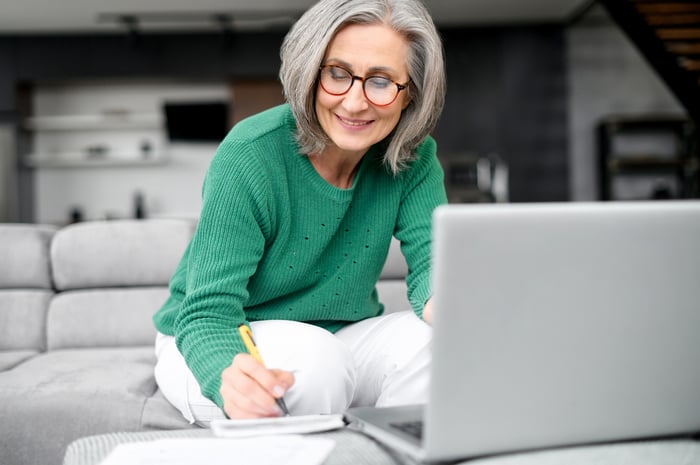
x,y
369,46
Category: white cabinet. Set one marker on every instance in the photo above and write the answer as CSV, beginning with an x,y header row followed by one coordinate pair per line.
x,y
116,120
85,140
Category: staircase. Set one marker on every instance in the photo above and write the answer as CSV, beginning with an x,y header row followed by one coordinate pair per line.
x,y
667,33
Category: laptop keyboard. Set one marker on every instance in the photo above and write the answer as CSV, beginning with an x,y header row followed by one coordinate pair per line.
x,y
413,428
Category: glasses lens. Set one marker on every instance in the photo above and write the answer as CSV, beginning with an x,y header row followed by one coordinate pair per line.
x,y
335,80
380,90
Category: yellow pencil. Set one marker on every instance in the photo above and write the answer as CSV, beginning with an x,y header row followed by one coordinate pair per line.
x,y
252,349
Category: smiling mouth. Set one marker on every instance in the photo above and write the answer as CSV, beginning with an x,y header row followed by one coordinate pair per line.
x,y
354,123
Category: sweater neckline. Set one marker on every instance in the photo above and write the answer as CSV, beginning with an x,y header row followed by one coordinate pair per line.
x,y
329,190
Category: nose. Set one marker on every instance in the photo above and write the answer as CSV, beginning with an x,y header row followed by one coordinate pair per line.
x,y
355,99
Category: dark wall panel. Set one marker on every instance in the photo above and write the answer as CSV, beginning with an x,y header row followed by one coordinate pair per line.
x,y
507,96
195,55
8,102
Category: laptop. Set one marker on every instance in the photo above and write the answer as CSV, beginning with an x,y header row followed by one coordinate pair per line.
x,y
554,325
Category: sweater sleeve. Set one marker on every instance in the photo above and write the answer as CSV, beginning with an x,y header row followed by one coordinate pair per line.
x,y
424,190
224,253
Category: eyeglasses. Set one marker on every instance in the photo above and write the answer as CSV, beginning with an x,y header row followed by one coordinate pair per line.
x,y
379,90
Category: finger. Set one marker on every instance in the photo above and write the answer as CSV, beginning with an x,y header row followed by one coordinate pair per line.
x,y
242,397
256,384
274,384
285,378
240,408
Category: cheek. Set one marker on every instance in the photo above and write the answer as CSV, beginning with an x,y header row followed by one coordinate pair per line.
x,y
323,108
392,119
324,101
320,108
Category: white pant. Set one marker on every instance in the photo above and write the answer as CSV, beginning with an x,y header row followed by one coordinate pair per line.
x,y
380,361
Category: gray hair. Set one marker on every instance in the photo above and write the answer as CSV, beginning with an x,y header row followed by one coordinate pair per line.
x,y
305,46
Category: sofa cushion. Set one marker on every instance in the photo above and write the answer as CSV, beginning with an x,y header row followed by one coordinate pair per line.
x,y
24,256
391,286
118,253
56,397
107,317
22,319
115,371
12,358
392,293
395,266
25,291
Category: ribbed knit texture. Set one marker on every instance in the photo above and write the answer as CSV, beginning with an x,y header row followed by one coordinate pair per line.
x,y
276,241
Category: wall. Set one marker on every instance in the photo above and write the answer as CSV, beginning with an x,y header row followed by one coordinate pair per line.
x,y
170,188
530,94
506,92
28,60
607,76
7,167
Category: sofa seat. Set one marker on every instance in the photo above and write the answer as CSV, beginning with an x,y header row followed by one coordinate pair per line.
x,y
22,324
116,373
11,358
62,395
76,335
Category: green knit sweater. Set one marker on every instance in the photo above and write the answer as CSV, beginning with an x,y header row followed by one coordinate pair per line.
x,y
276,241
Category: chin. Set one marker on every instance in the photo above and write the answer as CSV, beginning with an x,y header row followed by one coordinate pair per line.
x,y
352,147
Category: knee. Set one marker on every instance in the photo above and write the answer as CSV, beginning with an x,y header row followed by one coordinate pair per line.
x,y
413,341
323,368
326,378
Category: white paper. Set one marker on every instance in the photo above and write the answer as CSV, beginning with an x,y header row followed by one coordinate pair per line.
x,y
268,450
279,425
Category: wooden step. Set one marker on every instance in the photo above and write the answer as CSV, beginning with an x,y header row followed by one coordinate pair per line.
x,y
684,48
667,8
673,19
678,33
690,65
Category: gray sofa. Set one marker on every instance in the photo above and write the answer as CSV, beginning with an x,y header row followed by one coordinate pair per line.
x,y
76,338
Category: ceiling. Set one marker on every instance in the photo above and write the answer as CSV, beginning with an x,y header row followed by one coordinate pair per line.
x,y
42,16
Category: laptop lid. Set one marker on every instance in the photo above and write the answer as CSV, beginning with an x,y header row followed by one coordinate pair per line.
x,y
561,324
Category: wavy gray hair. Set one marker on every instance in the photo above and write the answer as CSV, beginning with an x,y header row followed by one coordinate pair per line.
x,y
305,46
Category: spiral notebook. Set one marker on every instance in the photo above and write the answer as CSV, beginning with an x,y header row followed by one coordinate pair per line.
x,y
300,424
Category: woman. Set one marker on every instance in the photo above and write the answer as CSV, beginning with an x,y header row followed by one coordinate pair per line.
x,y
299,207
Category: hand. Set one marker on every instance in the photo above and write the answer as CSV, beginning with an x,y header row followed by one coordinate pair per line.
x,y
249,390
428,311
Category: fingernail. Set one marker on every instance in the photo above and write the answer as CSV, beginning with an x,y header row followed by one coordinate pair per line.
x,y
278,391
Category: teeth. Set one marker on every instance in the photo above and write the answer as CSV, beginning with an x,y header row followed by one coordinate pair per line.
x,y
354,123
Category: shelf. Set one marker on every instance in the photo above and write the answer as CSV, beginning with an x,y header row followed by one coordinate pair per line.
x,y
66,161
104,121
645,165
669,122
645,161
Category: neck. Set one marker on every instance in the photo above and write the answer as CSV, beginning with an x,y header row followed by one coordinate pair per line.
x,y
337,170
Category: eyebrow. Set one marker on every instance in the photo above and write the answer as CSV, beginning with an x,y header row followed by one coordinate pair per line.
x,y
374,69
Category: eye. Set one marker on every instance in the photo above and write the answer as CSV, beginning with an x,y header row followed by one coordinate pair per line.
x,y
378,82
338,74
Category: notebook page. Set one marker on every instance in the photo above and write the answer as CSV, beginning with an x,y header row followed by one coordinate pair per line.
x,y
268,450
